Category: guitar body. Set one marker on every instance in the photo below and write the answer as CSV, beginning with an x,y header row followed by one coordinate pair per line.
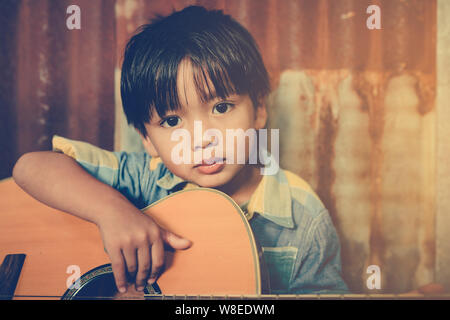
x,y
223,259
61,248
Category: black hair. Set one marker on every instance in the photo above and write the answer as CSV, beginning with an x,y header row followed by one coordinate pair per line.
x,y
218,48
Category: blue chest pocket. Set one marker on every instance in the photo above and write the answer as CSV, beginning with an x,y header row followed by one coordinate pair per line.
x,y
280,264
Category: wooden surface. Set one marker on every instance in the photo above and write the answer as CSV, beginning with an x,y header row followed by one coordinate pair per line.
x,y
223,259
52,241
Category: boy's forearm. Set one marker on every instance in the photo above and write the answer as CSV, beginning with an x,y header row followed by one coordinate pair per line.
x,y
61,183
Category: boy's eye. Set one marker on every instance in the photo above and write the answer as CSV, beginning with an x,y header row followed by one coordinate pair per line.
x,y
170,122
222,107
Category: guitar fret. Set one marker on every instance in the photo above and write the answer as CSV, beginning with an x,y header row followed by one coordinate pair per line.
x,y
381,296
299,297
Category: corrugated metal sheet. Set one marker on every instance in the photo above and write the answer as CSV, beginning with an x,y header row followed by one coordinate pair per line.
x,y
8,16
64,79
442,186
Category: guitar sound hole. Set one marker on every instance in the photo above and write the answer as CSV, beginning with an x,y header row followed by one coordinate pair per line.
x,y
99,284
101,287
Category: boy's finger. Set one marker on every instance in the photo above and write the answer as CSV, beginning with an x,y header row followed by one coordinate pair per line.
x,y
175,241
118,267
144,264
157,261
130,258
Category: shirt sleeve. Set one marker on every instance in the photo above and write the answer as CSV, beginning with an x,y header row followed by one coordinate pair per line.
x,y
318,270
123,171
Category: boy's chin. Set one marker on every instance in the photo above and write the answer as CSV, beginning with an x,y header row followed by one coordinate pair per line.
x,y
210,182
213,180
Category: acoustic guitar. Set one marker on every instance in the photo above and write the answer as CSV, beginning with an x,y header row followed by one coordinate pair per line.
x,y
223,262
224,259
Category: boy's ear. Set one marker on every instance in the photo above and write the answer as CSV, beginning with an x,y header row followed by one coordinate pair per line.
x,y
261,116
148,145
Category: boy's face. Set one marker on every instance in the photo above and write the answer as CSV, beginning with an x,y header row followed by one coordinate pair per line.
x,y
234,112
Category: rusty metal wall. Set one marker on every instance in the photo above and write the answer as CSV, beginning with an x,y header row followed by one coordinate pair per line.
x,y
442,187
55,80
8,16
356,108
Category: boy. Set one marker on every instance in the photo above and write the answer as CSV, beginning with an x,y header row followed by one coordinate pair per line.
x,y
191,66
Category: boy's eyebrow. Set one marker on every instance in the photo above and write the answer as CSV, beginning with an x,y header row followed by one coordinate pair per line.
x,y
213,97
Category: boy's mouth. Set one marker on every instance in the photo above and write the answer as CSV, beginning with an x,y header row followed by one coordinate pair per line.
x,y
211,165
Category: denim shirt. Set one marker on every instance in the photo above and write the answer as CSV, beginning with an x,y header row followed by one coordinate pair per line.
x,y
300,245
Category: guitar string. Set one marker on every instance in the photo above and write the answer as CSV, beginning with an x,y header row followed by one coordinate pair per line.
x,y
237,297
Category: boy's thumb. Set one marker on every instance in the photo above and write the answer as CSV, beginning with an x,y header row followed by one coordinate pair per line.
x,y
175,241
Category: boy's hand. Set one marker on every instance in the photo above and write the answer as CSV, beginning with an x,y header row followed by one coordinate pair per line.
x,y
135,243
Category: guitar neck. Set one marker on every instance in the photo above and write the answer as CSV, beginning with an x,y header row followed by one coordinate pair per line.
x,y
361,296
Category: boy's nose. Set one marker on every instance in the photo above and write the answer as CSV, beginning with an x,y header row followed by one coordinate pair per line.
x,y
204,136
205,143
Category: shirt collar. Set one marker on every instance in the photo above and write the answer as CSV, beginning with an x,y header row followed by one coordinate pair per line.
x,y
169,181
271,199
